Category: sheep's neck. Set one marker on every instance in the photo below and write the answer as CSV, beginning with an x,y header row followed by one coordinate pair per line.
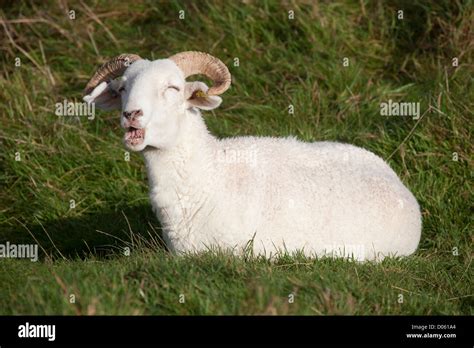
x,y
176,173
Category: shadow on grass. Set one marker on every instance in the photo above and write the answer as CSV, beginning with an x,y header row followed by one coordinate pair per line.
x,y
101,234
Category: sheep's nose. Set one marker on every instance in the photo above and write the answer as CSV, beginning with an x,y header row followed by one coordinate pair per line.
x,y
132,114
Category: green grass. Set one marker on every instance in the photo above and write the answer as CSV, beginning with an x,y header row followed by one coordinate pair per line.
x,y
281,62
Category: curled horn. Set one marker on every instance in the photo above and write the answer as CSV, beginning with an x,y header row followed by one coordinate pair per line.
x,y
192,63
110,70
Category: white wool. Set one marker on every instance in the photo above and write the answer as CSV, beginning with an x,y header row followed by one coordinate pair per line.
x,y
274,194
284,195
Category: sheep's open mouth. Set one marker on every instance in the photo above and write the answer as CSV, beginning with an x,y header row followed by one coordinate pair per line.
x,y
134,136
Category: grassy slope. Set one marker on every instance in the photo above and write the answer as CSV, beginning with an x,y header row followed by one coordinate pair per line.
x,y
282,62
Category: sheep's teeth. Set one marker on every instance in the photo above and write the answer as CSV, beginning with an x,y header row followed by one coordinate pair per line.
x,y
134,134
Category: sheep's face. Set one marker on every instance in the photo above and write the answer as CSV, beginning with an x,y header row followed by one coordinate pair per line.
x,y
153,97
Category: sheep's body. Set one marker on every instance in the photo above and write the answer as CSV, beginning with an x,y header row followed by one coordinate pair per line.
x,y
321,198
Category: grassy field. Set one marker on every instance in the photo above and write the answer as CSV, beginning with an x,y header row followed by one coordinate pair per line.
x,y
47,161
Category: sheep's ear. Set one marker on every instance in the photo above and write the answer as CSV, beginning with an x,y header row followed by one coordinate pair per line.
x,y
196,96
105,96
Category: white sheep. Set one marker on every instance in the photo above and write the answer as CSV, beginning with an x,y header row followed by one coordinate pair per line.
x,y
272,194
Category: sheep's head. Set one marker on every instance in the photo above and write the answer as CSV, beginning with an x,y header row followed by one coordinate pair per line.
x,y
152,94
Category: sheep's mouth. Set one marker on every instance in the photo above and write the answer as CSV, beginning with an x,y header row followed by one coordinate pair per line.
x,y
134,136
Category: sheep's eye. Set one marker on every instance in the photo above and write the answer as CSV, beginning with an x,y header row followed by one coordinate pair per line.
x,y
121,89
174,87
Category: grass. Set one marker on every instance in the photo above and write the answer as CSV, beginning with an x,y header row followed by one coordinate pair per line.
x,y
282,62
